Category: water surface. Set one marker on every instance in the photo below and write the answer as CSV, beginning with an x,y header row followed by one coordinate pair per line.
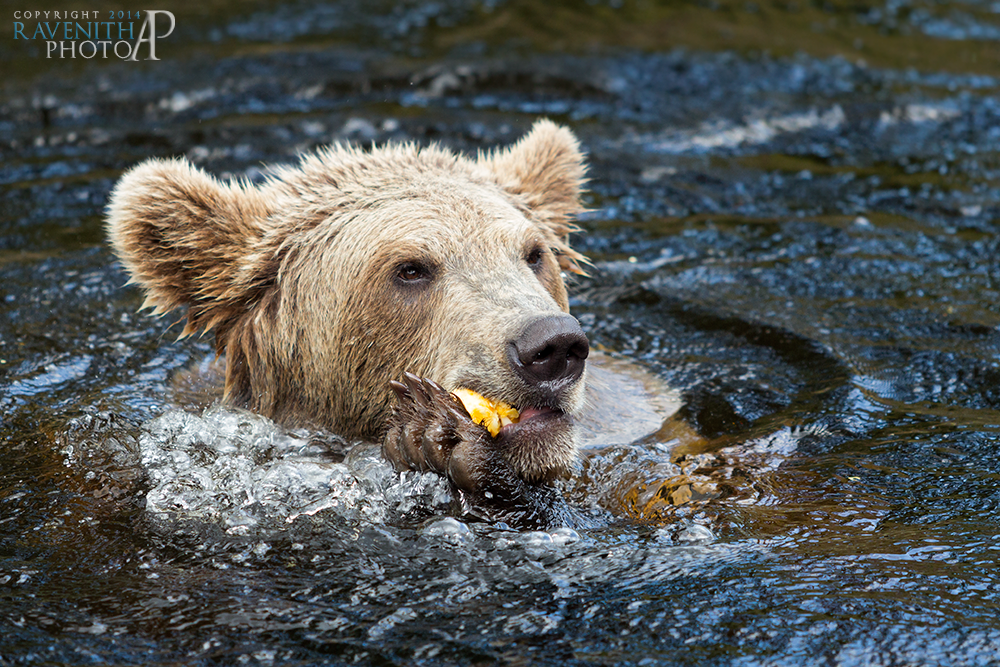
x,y
792,221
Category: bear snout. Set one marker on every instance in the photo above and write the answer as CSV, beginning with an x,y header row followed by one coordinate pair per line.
x,y
549,353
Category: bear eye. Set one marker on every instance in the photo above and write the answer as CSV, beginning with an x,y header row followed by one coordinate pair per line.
x,y
534,258
410,273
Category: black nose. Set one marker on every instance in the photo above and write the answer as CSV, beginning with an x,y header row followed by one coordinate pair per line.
x,y
550,350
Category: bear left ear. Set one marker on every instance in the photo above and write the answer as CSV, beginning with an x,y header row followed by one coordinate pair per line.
x,y
189,240
546,170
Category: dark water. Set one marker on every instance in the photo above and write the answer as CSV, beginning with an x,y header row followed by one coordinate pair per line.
x,y
793,222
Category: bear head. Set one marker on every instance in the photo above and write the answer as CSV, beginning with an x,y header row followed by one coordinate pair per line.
x,y
339,274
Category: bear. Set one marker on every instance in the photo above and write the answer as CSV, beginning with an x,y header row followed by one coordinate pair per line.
x,y
356,289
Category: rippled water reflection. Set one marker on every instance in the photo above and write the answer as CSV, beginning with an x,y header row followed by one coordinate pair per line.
x,y
793,223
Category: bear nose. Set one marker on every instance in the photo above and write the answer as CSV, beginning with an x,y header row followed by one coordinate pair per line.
x,y
550,350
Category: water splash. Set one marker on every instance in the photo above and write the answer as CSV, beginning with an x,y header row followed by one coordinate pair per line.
x,y
243,472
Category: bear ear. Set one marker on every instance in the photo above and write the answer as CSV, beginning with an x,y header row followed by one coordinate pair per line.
x,y
546,170
188,239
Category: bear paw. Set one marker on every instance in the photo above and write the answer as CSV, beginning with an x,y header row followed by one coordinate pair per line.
x,y
431,430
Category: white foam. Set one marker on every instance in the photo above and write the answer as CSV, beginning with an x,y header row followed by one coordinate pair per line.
x,y
242,471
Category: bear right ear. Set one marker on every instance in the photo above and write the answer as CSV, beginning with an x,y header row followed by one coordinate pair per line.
x,y
185,238
547,170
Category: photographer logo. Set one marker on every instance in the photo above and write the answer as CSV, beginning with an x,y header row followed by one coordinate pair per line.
x,y
83,34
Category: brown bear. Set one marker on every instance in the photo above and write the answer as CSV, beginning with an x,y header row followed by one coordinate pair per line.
x,y
355,290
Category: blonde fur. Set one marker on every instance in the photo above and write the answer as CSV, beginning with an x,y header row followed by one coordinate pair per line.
x,y
295,276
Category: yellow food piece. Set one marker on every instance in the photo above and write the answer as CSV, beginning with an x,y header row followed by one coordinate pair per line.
x,y
491,415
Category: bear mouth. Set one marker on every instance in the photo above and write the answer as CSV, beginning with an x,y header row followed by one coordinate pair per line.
x,y
540,445
532,419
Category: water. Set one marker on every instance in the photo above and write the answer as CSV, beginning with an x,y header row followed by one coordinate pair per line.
x,y
792,222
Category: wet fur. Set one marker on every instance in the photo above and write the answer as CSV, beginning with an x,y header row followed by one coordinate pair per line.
x,y
295,276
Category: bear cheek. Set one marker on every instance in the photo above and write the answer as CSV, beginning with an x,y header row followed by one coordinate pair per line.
x,y
382,336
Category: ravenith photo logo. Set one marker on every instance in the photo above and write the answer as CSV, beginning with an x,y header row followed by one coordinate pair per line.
x,y
95,34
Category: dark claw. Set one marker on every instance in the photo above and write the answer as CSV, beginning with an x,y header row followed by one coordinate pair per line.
x,y
417,390
390,448
436,387
401,391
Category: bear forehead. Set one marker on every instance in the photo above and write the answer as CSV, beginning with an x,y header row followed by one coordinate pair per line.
x,y
454,216
469,234
448,210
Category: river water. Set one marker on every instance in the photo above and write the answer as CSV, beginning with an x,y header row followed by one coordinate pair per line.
x,y
793,223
